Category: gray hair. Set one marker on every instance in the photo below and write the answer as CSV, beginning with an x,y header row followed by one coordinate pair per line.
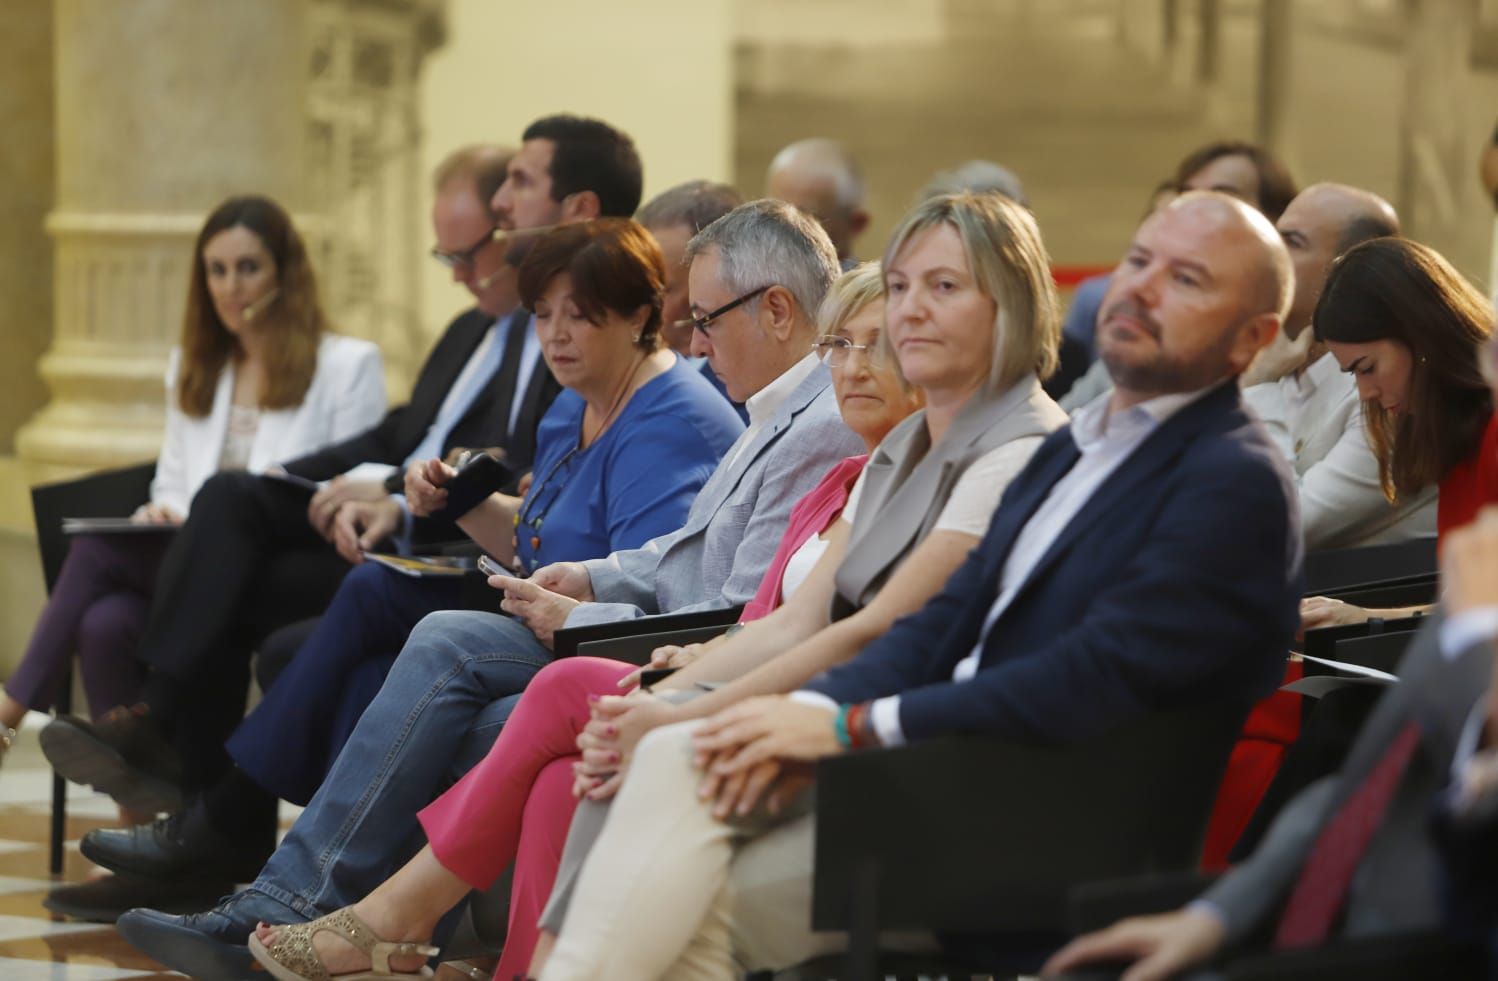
x,y
830,160
770,243
695,204
977,177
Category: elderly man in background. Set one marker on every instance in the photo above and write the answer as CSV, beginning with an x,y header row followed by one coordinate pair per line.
x,y
673,217
823,179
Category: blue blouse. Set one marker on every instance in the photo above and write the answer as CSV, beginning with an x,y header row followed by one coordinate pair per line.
x,y
636,481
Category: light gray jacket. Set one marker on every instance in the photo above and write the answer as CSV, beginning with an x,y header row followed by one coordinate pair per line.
x,y
718,557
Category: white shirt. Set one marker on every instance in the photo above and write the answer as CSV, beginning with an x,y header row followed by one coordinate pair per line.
x,y
1315,418
1106,439
800,564
460,395
763,404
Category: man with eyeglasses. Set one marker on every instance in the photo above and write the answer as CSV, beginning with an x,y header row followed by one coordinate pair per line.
x,y
757,276
255,555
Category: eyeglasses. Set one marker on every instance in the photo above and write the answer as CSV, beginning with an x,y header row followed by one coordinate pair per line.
x,y
705,321
464,257
835,351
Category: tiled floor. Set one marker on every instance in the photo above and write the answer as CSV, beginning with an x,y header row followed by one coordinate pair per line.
x,y
35,945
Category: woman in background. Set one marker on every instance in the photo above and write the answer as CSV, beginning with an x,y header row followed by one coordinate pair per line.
x,y
1414,334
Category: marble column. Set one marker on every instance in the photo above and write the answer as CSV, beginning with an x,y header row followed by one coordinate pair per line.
x,y
26,173
164,107
1436,195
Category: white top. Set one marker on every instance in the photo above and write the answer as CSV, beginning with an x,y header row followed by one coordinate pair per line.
x,y
800,564
971,504
1315,418
239,441
763,404
346,397
1105,440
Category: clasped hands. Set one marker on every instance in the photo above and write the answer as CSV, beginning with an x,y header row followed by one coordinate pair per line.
x,y
761,750
353,515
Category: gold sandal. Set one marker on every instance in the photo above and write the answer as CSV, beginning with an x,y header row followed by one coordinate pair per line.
x,y
293,958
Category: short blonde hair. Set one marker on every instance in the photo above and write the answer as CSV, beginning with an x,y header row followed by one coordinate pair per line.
x,y
1011,267
847,297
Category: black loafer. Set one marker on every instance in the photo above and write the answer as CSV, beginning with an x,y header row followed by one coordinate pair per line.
x,y
122,755
207,946
104,899
173,848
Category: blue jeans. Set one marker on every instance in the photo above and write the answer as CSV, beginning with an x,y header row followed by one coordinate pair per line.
x,y
289,741
440,710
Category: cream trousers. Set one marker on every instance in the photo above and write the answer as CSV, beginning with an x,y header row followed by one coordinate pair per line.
x,y
660,895
670,892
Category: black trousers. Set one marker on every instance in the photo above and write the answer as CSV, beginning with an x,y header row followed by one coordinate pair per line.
x,y
245,563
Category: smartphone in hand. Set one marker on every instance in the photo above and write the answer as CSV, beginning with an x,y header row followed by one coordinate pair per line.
x,y
653,676
491,567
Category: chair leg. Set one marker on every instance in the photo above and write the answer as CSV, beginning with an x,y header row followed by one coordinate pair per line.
x,y
863,922
59,785
59,823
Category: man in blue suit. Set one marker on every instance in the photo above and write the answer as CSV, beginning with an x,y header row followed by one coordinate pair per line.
x,y
1148,557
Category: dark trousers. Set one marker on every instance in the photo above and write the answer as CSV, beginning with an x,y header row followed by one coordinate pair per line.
x,y
288,743
245,563
98,609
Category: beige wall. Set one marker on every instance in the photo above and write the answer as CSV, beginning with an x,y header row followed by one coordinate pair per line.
x,y
26,167
659,69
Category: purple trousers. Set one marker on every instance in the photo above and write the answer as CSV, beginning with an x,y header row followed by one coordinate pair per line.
x,y
98,609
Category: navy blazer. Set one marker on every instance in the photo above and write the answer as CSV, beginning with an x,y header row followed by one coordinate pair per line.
x,y
1178,580
485,423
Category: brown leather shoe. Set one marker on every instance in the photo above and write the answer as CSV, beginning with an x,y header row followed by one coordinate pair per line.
x,y
123,755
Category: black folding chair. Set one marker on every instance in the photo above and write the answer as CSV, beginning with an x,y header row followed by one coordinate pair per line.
x,y
634,640
1345,568
982,841
112,493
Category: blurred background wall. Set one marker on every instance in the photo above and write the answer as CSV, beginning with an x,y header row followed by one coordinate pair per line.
x,y
126,122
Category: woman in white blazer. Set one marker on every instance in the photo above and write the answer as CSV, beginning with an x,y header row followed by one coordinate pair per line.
x,y
257,379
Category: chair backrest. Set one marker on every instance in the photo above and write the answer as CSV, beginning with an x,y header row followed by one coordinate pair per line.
x,y
602,638
973,835
636,649
1345,568
110,493
1409,591
1381,651
1326,641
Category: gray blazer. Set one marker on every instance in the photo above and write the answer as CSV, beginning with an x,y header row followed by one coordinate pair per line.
x,y
907,481
718,557
1395,887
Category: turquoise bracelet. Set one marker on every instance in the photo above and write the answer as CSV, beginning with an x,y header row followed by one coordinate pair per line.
x,y
840,728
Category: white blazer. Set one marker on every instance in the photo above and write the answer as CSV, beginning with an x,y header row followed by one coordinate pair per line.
x,y
346,397
1316,420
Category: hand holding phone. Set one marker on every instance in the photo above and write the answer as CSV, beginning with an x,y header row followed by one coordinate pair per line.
x,y
475,480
